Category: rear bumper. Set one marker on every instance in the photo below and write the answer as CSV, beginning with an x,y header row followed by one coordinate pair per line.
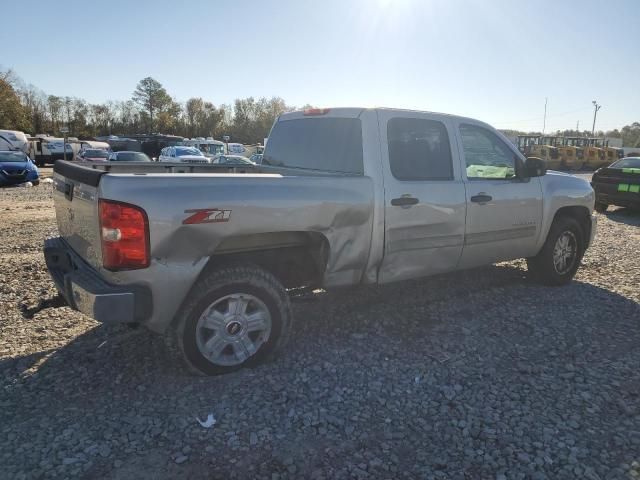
x,y
609,194
85,291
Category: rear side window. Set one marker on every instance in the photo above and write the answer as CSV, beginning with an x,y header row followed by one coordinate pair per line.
x,y
331,144
419,149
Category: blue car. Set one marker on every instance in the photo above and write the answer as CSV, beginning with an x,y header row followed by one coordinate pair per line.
x,y
16,167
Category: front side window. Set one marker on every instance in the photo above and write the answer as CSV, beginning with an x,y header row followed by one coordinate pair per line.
x,y
419,149
486,155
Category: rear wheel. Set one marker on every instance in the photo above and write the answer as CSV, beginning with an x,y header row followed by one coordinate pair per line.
x,y
601,207
237,315
560,257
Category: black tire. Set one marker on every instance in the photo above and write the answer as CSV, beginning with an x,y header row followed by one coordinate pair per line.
x,y
247,279
542,267
601,207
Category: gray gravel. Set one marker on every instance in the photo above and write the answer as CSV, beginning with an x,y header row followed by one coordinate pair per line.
x,y
478,375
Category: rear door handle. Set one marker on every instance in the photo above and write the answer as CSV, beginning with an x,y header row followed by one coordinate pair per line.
x,y
481,198
404,201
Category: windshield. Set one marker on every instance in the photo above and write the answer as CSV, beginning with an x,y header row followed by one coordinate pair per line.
x,y
131,157
180,151
216,149
12,157
96,154
629,162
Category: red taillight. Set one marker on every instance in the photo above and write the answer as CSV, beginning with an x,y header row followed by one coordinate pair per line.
x,y
124,230
316,111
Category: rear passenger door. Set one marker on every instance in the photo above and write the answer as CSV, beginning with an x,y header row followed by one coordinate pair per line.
x,y
424,198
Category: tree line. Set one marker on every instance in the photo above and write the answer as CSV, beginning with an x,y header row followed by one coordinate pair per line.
x,y
151,109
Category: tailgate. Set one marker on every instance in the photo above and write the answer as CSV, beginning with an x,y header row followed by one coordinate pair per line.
x,y
75,199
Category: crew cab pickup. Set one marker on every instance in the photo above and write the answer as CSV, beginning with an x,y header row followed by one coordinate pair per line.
x,y
343,197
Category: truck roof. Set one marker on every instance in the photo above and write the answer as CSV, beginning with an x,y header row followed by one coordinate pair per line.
x,y
354,112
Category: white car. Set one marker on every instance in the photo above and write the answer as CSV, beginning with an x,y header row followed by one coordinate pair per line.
x,y
182,154
236,148
17,139
93,155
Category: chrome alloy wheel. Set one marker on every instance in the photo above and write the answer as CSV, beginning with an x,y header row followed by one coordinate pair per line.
x,y
232,329
565,252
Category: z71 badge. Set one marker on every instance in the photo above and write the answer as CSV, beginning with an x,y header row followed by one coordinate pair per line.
x,y
206,215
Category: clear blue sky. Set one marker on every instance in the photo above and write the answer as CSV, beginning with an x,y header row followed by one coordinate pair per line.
x,y
495,60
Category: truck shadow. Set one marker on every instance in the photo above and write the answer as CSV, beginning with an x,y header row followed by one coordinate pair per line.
x,y
117,355
624,215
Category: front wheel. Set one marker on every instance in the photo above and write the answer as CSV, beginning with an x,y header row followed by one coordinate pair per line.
x,y
560,257
237,315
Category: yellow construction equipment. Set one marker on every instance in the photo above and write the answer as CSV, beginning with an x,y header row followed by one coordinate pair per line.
x,y
548,151
571,157
611,154
526,142
592,156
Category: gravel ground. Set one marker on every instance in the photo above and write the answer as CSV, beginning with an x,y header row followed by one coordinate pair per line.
x,y
477,375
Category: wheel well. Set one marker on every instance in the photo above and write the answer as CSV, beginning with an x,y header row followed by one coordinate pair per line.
x,y
581,214
296,259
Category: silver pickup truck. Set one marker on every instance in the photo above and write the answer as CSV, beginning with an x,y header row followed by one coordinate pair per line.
x,y
344,196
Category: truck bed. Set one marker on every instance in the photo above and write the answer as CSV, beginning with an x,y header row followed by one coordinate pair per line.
x,y
198,212
90,172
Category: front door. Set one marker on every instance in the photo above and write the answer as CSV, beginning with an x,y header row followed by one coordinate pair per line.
x,y
504,212
424,195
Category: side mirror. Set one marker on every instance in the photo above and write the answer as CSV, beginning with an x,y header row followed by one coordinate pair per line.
x,y
534,167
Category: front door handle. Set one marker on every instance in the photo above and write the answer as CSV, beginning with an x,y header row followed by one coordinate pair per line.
x,y
481,198
404,201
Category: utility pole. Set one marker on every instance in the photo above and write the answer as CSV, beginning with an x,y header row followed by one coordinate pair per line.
x,y
578,127
544,122
596,107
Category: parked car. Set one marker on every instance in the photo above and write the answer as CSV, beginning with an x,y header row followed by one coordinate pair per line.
x,y
126,156
92,155
236,148
16,167
343,197
208,146
182,154
618,184
232,159
256,158
18,139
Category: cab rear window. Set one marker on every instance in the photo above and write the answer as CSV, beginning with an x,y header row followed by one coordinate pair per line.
x,y
330,144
